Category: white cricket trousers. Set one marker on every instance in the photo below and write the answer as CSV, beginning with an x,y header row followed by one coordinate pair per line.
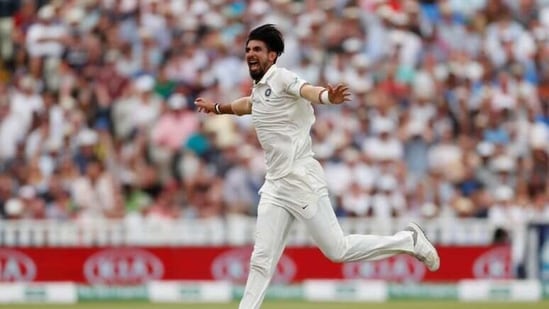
x,y
273,224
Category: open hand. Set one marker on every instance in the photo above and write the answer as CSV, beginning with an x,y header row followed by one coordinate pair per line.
x,y
339,94
205,105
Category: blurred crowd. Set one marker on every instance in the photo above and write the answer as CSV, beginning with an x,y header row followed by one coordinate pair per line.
x,y
449,115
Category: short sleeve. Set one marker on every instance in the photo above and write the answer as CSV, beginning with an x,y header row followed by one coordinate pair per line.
x,y
291,82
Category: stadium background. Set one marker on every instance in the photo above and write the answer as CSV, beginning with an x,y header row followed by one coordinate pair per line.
x,y
112,187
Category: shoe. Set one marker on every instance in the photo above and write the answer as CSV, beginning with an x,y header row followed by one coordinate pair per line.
x,y
423,249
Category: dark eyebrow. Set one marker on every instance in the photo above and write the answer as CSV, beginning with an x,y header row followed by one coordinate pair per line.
x,y
256,48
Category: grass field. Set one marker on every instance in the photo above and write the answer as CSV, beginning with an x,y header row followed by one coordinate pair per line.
x,y
295,305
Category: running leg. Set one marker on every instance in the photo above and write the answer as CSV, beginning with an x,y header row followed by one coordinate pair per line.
x,y
273,224
328,235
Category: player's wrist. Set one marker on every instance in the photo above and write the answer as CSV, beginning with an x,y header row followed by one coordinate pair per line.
x,y
217,109
324,97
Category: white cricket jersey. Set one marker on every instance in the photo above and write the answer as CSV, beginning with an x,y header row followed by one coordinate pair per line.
x,y
283,120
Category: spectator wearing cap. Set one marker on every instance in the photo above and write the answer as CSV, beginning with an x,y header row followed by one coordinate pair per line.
x,y
46,37
147,105
25,101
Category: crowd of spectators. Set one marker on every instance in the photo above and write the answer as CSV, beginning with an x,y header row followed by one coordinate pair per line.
x,y
449,115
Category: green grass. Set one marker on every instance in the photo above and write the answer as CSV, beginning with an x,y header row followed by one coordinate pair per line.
x,y
294,305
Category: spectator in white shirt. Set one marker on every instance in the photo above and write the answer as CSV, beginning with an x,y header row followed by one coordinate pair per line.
x,y
25,101
358,75
504,213
11,132
46,37
388,201
538,210
140,110
95,193
356,201
384,145
446,155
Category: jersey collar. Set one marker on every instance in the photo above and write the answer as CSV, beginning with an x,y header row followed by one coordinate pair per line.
x,y
267,75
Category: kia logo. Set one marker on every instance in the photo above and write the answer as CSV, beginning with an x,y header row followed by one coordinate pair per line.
x,y
402,268
122,266
16,266
494,264
234,265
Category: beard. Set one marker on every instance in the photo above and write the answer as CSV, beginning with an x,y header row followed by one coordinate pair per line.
x,y
259,70
256,75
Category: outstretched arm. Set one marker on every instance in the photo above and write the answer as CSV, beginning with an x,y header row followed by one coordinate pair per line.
x,y
241,106
330,95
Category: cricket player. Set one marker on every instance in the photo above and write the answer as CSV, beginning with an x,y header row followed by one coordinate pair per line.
x,y
295,187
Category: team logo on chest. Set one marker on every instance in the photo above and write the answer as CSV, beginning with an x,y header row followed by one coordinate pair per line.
x,y
268,92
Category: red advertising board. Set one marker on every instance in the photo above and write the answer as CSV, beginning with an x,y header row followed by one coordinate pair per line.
x,y
130,265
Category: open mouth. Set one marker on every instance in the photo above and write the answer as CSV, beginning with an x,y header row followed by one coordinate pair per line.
x,y
253,65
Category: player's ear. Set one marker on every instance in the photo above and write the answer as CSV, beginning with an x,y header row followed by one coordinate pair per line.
x,y
272,56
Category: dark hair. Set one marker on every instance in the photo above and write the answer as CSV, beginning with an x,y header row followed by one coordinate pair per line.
x,y
270,35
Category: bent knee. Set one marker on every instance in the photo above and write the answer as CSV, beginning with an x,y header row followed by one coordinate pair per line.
x,y
336,251
335,256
